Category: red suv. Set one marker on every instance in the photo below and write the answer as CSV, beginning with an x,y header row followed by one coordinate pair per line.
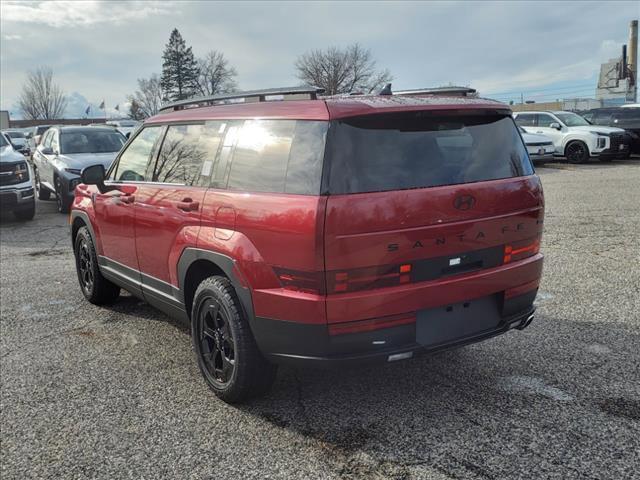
x,y
317,231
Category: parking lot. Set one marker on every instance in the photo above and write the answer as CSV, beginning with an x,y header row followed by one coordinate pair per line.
x,y
92,392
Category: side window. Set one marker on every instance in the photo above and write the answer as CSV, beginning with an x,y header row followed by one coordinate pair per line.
x,y
304,171
526,120
261,156
229,131
602,118
545,120
134,160
588,116
187,154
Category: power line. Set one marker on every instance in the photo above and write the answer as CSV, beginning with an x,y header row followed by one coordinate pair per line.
x,y
554,94
518,92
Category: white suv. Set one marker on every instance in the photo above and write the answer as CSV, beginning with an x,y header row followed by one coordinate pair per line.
x,y
574,137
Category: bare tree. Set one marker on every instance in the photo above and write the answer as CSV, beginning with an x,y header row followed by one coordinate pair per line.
x,y
337,70
147,100
41,98
215,74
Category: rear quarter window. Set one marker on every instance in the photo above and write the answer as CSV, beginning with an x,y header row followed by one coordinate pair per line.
x,y
397,152
280,156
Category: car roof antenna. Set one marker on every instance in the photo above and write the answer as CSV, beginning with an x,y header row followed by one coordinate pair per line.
x,y
386,90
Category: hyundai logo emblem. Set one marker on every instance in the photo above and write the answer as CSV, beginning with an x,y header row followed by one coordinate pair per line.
x,y
464,202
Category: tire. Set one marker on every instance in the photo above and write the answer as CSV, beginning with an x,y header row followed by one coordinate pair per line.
x,y
576,152
61,199
43,192
95,288
226,351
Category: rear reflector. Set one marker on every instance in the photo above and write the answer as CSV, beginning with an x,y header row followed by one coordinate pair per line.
x,y
368,277
521,289
371,324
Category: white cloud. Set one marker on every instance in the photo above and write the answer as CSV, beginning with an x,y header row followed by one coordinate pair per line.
x,y
12,37
81,13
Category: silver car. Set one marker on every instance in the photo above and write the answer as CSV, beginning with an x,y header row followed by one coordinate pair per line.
x,y
62,154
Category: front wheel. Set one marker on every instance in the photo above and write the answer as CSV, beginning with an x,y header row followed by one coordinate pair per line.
x,y
226,351
61,199
97,289
43,193
577,152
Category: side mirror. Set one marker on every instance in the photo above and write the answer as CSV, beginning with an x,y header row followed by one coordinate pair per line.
x,y
556,126
47,151
94,175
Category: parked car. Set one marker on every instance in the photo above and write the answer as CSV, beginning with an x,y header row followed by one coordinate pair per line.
x,y
17,138
126,127
16,182
574,137
319,232
64,152
35,135
627,118
540,147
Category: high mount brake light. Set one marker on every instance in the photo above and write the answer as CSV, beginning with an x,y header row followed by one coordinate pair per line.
x,y
520,250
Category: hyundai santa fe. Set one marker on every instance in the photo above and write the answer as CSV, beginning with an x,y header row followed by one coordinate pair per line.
x,y
292,228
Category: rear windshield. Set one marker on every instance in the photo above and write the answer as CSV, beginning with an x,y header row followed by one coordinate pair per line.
x,y
417,150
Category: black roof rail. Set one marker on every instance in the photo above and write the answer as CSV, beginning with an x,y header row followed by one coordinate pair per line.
x,y
261,95
453,90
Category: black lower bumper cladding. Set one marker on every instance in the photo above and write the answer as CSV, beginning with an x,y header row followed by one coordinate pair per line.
x,y
445,327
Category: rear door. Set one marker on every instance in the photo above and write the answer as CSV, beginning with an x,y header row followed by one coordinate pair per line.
x,y
543,126
418,198
168,208
114,210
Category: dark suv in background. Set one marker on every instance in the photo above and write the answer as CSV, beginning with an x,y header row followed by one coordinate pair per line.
x,y
627,118
317,231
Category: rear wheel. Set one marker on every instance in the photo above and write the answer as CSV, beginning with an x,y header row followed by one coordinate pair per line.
x,y
226,351
97,289
43,192
61,199
576,152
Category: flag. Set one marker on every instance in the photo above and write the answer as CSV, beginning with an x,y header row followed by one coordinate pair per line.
x,y
102,105
118,107
86,112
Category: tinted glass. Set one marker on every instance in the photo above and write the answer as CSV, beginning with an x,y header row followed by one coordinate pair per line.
x,y
90,141
15,134
572,119
3,141
229,132
186,155
46,140
545,120
133,162
628,116
304,171
526,120
395,152
261,156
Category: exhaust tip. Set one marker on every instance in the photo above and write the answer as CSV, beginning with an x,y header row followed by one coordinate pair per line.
x,y
399,356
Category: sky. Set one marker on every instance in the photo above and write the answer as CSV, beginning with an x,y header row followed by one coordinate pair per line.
x,y
98,50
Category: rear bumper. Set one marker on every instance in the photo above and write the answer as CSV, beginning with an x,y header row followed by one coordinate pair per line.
x,y
311,346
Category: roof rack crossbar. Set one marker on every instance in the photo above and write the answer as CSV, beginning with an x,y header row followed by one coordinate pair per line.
x,y
261,95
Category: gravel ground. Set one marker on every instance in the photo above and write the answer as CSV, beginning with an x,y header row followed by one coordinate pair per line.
x,y
115,393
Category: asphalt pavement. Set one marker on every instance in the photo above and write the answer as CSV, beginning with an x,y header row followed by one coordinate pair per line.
x,y
114,393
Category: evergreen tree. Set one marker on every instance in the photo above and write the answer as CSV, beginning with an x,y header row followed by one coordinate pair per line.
x,y
179,69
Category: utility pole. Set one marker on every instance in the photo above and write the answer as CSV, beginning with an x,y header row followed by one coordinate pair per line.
x,y
521,98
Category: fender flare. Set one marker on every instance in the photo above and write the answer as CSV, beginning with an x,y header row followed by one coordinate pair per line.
x,y
227,265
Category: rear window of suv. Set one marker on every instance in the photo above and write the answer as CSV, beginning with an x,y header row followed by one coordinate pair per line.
x,y
415,150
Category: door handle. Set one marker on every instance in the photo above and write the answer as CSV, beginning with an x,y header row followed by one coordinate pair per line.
x,y
188,205
125,198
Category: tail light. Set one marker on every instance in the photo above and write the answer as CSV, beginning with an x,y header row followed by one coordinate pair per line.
x,y
300,281
368,278
519,250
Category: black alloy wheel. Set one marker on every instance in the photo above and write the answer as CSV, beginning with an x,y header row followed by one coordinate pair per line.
x,y
217,347
577,152
85,266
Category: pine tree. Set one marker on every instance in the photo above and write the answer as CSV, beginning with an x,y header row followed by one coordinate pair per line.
x,y
179,69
